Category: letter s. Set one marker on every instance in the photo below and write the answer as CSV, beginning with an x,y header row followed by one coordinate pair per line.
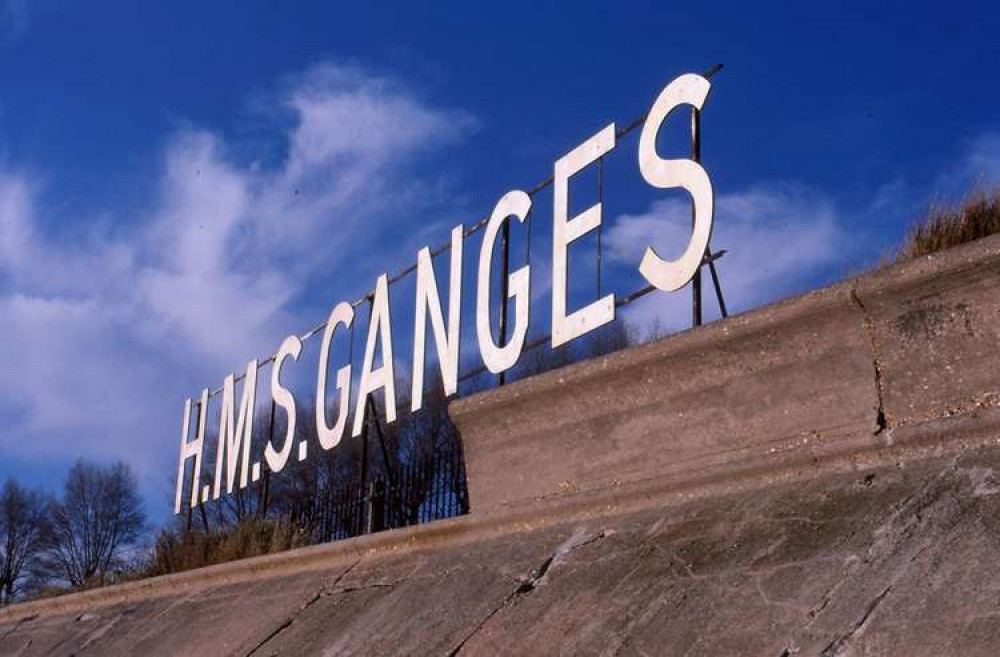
x,y
661,173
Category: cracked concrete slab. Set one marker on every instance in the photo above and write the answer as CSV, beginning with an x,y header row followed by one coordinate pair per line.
x,y
227,620
888,561
894,559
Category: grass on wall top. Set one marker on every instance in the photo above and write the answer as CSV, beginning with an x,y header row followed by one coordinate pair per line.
x,y
976,216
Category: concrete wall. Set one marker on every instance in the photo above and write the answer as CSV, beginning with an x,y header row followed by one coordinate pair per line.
x,y
817,477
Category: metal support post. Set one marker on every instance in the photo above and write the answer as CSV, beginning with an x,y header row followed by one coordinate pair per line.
x,y
504,291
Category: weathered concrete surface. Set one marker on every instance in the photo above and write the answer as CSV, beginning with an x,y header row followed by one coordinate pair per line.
x,y
828,371
796,373
885,560
816,478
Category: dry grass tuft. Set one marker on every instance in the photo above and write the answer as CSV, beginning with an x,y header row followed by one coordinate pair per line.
x,y
176,551
977,216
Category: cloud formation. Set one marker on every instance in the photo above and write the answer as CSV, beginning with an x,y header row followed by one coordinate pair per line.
x,y
778,238
980,166
108,331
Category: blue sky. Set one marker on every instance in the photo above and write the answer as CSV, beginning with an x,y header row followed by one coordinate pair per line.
x,y
183,184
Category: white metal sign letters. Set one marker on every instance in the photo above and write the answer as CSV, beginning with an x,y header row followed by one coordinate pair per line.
x,y
233,449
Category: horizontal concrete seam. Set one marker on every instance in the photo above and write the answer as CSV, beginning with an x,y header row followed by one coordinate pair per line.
x,y
967,406
193,580
614,500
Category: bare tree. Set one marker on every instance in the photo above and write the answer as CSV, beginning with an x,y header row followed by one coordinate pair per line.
x,y
22,530
609,339
100,515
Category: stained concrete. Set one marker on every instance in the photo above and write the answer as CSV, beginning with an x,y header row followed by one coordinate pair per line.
x,y
819,477
826,371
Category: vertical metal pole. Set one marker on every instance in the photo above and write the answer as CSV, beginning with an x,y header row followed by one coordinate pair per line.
x,y
389,469
696,279
718,288
374,510
504,291
204,515
436,485
369,498
196,476
364,433
266,494
366,428
600,200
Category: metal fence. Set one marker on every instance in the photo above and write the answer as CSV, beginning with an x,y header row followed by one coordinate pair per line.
x,y
432,488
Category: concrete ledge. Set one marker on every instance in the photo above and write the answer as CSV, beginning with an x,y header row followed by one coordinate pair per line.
x,y
935,324
907,343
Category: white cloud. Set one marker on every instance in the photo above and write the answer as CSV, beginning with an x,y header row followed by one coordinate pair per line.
x,y
782,239
778,238
105,333
979,165
15,220
246,241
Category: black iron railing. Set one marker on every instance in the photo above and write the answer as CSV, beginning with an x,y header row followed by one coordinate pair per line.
x,y
431,488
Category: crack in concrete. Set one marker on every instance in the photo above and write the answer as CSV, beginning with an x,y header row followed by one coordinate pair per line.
x,y
24,648
102,631
987,399
625,635
908,518
288,622
150,623
851,566
365,587
461,644
836,647
17,626
770,602
881,421
535,579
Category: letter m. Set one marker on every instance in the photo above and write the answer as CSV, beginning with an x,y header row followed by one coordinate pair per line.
x,y
234,435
